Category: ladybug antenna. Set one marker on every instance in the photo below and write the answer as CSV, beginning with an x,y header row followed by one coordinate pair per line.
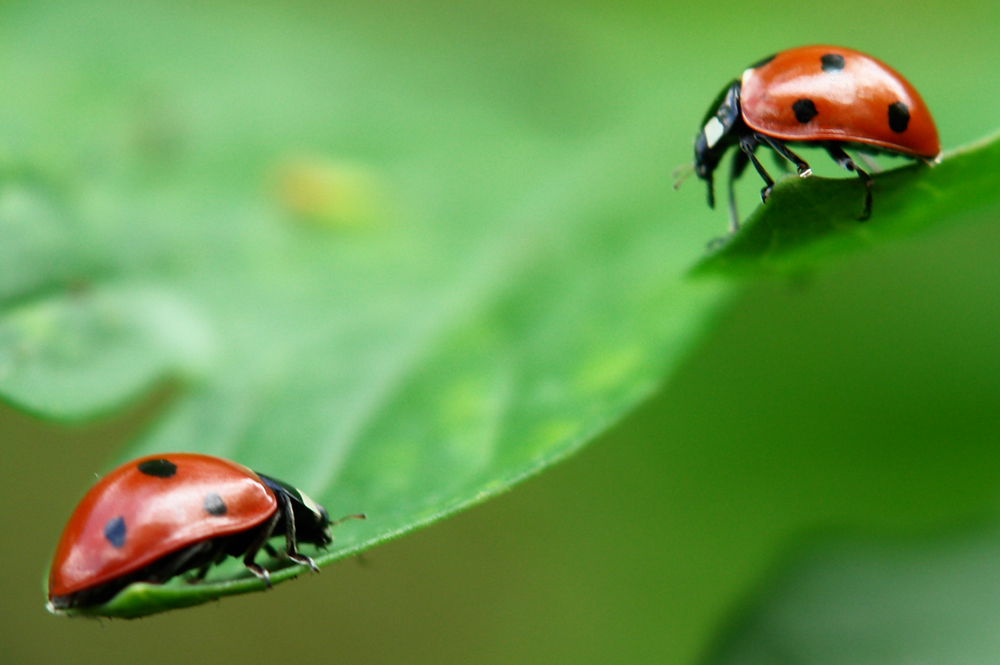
x,y
359,516
682,173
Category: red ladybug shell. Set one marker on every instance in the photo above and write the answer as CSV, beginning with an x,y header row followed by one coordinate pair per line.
x,y
151,507
818,93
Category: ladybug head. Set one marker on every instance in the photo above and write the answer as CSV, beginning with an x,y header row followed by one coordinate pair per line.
x,y
314,523
323,528
716,134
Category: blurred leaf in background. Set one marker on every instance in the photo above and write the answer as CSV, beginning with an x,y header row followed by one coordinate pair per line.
x,y
865,602
404,256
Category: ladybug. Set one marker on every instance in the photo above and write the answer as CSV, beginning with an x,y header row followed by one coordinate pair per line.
x,y
824,96
162,515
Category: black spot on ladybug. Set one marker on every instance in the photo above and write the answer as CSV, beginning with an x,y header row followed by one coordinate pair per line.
x,y
761,63
832,63
114,531
899,117
804,110
214,505
158,468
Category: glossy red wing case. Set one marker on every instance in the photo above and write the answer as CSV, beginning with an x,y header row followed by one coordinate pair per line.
x,y
850,94
131,518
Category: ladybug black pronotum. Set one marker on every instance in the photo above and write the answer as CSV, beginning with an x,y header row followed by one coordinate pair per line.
x,y
159,516
827,96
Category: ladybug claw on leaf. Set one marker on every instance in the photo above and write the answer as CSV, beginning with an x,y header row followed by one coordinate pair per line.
x,y
716,243
866,212
305,561
260,573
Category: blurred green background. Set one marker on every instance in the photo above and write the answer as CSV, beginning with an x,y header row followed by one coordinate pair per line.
x,y
865,397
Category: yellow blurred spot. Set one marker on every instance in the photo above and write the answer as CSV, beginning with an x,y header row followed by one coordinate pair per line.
x,y
330,193
554,433
610,370
397,464
465,403
471,411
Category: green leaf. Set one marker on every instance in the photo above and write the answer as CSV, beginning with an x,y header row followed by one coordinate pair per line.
x,y
854,601
72,353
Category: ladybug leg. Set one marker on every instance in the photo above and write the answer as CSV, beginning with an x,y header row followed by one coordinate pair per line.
x,y
291,542
843,160
256,546
747,145
217,559
736,168
779,147
181,561
780,162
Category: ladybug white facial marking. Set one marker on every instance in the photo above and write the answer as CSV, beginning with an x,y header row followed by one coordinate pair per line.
x,y
310,504
713,131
